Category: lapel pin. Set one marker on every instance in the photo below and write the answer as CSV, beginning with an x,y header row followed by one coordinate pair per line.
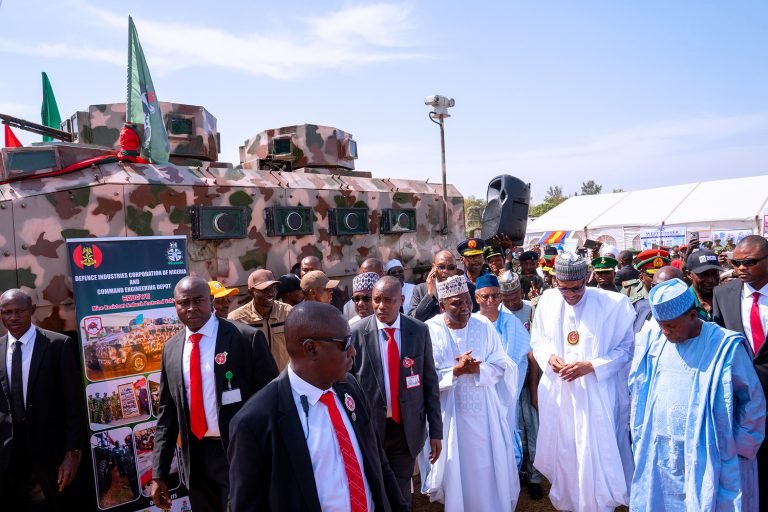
x,y
349,403
221,358
407,362
228,376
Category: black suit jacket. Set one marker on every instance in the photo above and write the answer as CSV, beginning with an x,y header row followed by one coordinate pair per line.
x,y
726,310
252,367
270,466
417,404
55,407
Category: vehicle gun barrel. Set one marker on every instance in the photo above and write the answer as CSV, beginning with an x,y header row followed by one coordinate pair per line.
x,y
40,129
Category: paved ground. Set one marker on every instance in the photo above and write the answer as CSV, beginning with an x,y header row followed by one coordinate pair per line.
x,y
525,504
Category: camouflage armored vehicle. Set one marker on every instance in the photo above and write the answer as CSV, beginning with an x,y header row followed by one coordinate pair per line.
x,y
294,193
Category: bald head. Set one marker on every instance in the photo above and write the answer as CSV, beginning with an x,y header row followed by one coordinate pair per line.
x,y
666,273
193,302
16,310
16,295
372,265
387,283
443,256
753,242
189,283
308,264
311,319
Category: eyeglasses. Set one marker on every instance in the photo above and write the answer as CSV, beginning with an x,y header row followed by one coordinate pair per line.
x,y
361,298
573,289
446,267
346,341
747,262
490,296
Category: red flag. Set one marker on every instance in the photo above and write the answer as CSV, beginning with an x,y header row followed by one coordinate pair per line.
x,y
10,139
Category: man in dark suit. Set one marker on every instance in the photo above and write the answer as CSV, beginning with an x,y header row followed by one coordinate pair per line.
x,y
209,370
741,305
306,442
424,304
42,418
395,368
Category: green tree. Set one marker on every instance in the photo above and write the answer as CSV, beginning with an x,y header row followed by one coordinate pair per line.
x,y
590,188
553,198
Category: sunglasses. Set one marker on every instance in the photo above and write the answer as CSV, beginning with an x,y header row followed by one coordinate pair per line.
x,y
747,262
346,341
362,298
446,267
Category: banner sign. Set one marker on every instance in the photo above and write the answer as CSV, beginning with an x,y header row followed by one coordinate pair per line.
x,y
124,299
662,236
733,234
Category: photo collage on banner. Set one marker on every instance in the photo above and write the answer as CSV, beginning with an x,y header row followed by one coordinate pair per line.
x,y
123,291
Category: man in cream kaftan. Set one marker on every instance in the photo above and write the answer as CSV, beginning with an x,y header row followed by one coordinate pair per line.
x,y
478,385
582,338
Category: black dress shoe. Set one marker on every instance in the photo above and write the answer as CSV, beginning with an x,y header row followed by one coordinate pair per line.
x,y
535,492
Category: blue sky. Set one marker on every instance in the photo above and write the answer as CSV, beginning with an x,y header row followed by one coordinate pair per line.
x,y
630,94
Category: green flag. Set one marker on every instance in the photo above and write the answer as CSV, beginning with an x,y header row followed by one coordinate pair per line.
x,y
49,111
142,106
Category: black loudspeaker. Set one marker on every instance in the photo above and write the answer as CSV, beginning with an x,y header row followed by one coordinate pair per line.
x,y
507,210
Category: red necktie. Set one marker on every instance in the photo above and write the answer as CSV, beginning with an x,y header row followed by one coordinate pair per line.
x,y
758,335
357,500
393,367
196,407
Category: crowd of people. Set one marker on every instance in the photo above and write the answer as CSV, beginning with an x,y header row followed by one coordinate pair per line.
x,y
620,378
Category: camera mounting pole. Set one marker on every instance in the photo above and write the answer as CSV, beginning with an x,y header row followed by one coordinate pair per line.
x,y
440,106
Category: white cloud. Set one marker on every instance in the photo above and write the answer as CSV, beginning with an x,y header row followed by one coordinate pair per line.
x,y
338,39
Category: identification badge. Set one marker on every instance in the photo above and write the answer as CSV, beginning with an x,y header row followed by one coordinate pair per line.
x,y
573,338
412,381
231,397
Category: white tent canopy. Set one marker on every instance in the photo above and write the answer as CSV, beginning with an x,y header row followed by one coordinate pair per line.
x,y
618,218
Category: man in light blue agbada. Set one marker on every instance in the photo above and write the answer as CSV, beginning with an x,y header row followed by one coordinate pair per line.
x,y
697,413
514,337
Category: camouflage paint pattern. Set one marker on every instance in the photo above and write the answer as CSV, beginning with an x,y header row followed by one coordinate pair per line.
x,y
114,200
100,125
311,146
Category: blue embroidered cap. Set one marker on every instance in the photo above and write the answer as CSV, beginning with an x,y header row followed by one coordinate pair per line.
x,y
670,300
486,281
364,282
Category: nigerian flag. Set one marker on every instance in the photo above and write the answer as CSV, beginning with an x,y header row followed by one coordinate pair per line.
x,y
142,106
49,111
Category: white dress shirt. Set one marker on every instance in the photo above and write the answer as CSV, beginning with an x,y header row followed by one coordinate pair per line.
x,y
327,461
746,309
207,354
27,346
383,338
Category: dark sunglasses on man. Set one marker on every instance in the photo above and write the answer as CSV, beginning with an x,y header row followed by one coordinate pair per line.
x,y
747,262
346,341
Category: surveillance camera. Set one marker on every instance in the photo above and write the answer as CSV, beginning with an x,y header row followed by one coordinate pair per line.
x,y
438,101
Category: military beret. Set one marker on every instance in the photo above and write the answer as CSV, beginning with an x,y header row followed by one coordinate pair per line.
x,y
529,256
491,251
471,247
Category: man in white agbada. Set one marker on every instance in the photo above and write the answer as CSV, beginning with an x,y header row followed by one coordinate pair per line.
x,y
478,385
582,338
698,411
